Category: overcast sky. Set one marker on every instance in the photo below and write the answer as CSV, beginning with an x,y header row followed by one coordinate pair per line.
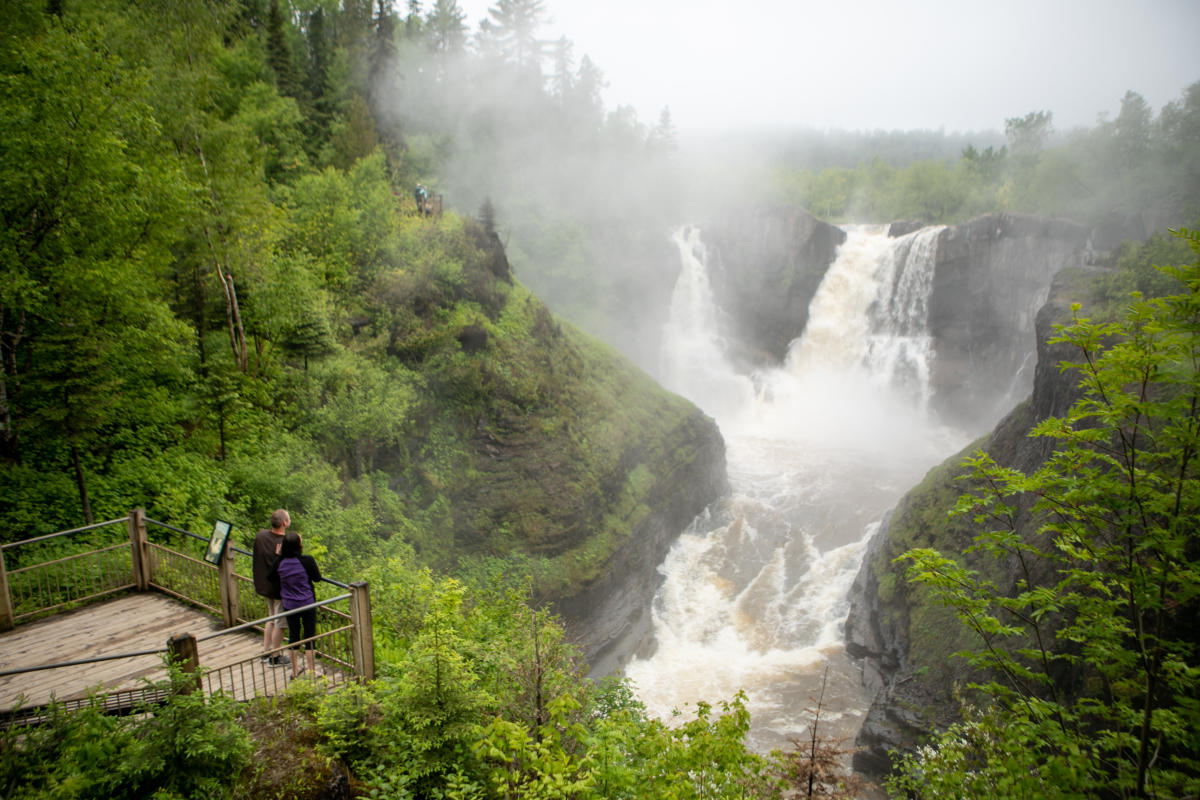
x,y
960,65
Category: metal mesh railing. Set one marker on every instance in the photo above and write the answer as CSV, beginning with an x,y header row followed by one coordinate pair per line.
x,y
184,577
337,648
48,574
254,677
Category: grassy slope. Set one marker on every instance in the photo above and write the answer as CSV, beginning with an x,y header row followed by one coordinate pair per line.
x,y
534,444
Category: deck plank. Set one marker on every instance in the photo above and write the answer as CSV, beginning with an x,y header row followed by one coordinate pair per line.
x,y
133,622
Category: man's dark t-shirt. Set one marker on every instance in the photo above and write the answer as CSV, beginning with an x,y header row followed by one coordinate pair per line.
x,y
266,547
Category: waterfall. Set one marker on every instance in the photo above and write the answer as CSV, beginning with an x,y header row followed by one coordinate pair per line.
x,y
869,317
755,591
694,363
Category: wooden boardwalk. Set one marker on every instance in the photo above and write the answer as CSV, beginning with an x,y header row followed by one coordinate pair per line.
x,y
130,623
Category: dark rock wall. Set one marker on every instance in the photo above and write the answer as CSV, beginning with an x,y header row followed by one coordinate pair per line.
x,y
765,266
905,643
991,276
610,618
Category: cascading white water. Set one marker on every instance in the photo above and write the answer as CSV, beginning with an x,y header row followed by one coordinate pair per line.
x,y
755,592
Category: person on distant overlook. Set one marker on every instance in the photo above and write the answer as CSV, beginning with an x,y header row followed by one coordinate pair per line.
x,y
421,194
267,543
296,573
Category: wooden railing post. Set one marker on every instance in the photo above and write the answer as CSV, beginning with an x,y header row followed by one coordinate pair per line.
x,y
6,609
229,589
138,549
362,635
184,651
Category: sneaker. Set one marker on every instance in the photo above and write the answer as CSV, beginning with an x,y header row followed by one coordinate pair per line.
x,y
280,660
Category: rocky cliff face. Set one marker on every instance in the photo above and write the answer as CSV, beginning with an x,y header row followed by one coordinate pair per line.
x,y
765,267
610,617
991,276
905,642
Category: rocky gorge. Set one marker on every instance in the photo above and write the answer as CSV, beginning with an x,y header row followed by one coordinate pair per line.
x,y
904,642
999,283
988,316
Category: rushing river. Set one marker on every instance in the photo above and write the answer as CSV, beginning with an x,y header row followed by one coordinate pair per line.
x,y
755,591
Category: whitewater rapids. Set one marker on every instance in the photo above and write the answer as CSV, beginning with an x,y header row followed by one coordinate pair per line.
x,y
755,592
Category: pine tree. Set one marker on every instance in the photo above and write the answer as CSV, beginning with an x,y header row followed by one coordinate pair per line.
x,y
382,56
562,78
279,53
663,138
446,27
318,55
512,27
487,216
412,22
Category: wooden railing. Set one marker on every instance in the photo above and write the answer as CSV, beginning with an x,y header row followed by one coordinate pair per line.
x,y
37,577
47,574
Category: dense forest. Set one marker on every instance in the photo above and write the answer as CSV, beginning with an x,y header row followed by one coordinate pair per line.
x,y
218,297
1136,174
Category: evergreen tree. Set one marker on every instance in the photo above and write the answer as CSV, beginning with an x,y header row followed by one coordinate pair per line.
x,y
487,216
663,138
511,30
318,58
584,103
412,21
446,28
279,53
563,78
1133,129
1179,131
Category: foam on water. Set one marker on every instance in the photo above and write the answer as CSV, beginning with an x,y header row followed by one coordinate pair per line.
x,y
755,592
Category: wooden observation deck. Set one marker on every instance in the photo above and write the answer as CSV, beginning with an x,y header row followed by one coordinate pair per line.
x,y
91,615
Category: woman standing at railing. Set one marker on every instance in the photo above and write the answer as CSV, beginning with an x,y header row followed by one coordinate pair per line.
x,y
297,573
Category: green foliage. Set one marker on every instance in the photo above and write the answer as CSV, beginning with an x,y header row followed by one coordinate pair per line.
x,y
215,301
989,755
930,191
191,746
480,697
284,336
188,747
540,762
1136,272
1089,659
1134,175
704,757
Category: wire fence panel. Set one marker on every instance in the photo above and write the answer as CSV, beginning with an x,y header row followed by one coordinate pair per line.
x,y
184,577
56,585
252,606
255,677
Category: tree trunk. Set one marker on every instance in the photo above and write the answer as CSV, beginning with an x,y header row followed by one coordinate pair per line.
x,y
80,483
237,335
9,341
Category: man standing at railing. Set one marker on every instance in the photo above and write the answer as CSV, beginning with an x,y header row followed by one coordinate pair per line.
x,y
266,547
